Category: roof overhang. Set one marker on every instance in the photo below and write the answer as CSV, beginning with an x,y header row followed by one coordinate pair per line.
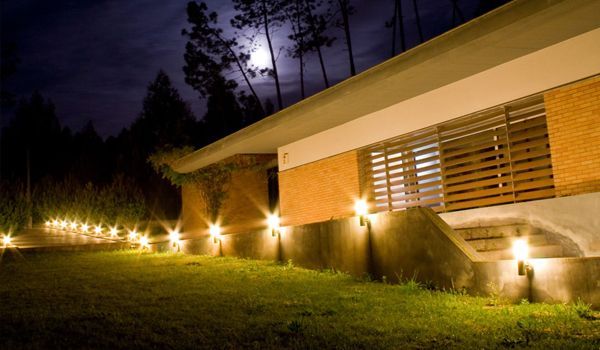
x,y
509,32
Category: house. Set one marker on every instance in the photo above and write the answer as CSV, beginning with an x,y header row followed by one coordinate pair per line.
x,y
500,115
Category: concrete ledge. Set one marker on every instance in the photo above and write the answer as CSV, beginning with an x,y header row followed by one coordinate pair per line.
x,y
402,245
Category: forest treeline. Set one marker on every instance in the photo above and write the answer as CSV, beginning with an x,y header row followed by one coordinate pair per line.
x,y
48,169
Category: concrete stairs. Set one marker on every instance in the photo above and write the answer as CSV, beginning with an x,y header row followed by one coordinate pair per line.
x,y
495,242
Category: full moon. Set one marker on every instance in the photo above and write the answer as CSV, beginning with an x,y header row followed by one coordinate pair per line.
x,y
261,58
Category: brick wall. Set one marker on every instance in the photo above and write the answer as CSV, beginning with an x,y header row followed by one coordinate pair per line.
x,y
244,209
320,190
573,114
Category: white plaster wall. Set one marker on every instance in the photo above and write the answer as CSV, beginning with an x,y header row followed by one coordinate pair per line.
x,y
556,65
575,217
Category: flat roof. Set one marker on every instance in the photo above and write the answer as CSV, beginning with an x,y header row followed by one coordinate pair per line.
x,y
506,33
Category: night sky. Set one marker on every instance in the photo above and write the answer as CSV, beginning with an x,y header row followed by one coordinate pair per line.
x,y
94,59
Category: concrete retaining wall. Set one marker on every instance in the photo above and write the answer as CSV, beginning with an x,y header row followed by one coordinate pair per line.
x,y
406,244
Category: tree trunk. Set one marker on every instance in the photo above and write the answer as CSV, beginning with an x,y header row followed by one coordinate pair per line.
x,y
418,18
318,47
346,21
300,50
268,36
401,29
28,194
239,64
394,20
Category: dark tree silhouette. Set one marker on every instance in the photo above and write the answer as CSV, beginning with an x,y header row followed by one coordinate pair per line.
x,y
209,53
418,20
263,16
345,10
295,13
317,25
397,22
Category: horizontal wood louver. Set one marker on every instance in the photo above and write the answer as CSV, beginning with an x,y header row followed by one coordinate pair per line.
x,y
494,157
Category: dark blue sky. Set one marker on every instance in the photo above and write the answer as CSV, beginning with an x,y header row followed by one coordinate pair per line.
x,y
94,59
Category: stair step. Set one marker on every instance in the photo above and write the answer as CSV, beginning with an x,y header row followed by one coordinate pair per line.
x,y
485,244
481,232
545,251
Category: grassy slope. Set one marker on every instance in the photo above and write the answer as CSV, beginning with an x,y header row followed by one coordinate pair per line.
x,y
125,300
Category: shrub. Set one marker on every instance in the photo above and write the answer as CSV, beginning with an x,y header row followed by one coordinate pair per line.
x,y
14,209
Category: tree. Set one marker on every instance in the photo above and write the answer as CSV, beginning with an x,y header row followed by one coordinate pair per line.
x,y
346,10
418,19
165,119
294,13
397,22
209,53
263,16
317,26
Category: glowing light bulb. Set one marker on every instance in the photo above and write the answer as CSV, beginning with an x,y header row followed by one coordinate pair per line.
x,y
360,207
48,223
520,250
98,229
174,236
7,240
73,226
133,235
274,224
215,233
55,223
144,243
63,224
114,232
84,228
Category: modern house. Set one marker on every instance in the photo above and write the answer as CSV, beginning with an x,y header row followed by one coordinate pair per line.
x,y
496,122
504,109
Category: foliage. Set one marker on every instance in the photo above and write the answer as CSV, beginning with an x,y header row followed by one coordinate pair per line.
x,y
212,181
583,309
130,300
119,201
14,209
210,59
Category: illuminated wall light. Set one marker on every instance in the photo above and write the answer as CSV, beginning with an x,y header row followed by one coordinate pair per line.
x,y
521,253
84,228
215,233
63,224
73,226
274,224
114,232
55,223
361,209
133,235
98,229
7,240
175,239
144,242
48,223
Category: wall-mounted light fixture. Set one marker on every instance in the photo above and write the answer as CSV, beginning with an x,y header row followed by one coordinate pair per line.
x,y
48,223
215,233
98,230
144,242
73,226
114,232
7,240
274,224
84,228
521,253
361,209
133,235
174,238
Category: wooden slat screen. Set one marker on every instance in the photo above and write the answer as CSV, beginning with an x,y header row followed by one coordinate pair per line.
x,y
494,157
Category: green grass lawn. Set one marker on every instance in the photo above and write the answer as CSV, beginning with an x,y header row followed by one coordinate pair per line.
x,y
126,299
